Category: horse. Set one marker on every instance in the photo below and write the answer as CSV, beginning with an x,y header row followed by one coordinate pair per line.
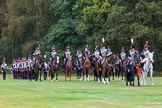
x,y
68,68
106,68
130,71
93,63
54,69
31,71
36,66
148,67
122,68
86,68
79,68
116,68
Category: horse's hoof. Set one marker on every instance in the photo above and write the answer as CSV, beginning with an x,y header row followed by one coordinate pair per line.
x,y
104,82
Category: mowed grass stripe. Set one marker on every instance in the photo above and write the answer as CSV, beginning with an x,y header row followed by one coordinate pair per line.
x,y
78,94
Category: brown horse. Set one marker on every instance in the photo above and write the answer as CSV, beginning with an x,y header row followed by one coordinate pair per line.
x,y
53,70
106,68
36,70
97,70
68,68
86,68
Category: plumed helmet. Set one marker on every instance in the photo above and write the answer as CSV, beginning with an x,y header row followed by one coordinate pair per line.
x,y
103,39
4,59
122,49
132,40
53,47
67,47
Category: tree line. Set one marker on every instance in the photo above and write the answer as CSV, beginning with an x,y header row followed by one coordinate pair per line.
x,y
26,23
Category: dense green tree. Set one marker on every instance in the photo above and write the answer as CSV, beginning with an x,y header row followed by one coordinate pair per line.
x,y
25,23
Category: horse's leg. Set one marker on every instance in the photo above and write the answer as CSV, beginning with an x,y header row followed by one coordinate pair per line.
x,y
145,78
49,72
44,75
114,71
151,76
30,75
103,76
94,72
119,73
40,73
57,75
126,77
84,74
70,74
65,74
35,76
52,74
97,74
138,79
88,70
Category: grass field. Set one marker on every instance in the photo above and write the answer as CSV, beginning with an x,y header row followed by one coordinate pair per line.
x,y
78,94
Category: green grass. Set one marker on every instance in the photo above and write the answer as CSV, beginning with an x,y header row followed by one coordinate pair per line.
x,y
78,94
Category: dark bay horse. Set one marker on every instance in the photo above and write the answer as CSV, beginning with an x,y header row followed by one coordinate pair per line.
x,y
79,68
53,70
86,68
130,72
117,68
97,70
31,71
68,68
106,68
37,69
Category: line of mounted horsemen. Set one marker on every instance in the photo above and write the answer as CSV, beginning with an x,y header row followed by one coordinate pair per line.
x,y
103,62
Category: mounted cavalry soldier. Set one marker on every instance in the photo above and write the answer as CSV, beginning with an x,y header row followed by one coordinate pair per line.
x,y
97,54
87,51
37,54
145,54
109,52
103,50
133,51
4,68
53,54
146,51
37,51
122,55
67,54
79,58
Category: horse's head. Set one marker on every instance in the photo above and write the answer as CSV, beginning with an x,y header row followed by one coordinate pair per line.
x,y
69,58
56,60
151,55
111,58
